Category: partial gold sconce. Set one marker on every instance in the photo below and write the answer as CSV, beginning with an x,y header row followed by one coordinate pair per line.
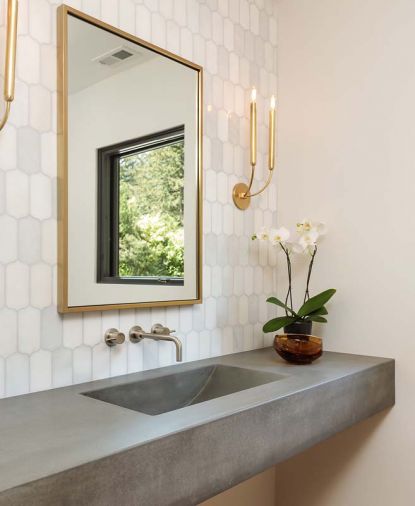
x,y
241,192
10,60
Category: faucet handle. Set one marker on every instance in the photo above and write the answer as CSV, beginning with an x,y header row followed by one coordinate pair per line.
x,y
113,337
136,334
160,329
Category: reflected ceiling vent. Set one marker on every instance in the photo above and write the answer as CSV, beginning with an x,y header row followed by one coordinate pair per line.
x,y
116,56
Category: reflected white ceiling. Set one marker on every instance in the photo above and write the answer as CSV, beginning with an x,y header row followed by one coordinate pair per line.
x,y
86,44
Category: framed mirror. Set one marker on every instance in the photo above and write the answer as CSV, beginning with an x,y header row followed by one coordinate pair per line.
x,y
130,174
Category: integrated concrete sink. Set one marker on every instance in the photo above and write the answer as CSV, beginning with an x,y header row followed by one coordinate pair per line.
x,y
75,450
175,391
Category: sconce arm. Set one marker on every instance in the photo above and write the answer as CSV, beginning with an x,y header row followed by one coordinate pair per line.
x,y
251,180
10,59
5,115
242,193
248,192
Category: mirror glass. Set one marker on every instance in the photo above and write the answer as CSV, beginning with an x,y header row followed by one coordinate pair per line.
x,y
131,171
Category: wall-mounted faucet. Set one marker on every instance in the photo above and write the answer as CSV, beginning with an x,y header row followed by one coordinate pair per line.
x,y
158,333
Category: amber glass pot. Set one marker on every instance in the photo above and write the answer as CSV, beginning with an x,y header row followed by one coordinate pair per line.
x,y
298,348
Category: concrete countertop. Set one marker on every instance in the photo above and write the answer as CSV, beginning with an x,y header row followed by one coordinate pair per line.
x,y
60,447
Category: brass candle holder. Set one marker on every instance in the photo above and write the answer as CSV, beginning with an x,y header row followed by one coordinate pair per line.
x,y
10,61
242,192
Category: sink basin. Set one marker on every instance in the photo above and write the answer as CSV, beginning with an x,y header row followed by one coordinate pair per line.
x,y
175,391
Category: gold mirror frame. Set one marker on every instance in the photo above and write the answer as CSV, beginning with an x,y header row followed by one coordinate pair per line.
x,y
62,125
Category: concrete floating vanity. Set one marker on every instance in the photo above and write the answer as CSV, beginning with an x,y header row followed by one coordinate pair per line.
x,y
61,447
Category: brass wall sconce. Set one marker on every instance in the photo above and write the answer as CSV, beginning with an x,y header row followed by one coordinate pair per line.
x,y
10,60
241,192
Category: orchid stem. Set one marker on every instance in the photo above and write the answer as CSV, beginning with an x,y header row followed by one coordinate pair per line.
x,y
310,268
289,292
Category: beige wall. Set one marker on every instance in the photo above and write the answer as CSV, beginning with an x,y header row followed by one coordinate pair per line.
x,y
347,155
257,491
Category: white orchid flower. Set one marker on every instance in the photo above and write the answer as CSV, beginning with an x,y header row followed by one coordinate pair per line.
x,y
308,240
279,235
263,234
296,247
321,228
306,226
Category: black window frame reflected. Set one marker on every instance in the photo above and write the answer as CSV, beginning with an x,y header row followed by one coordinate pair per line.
x,y
108,206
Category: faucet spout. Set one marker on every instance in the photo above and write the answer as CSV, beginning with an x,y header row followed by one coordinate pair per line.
x,y
178,344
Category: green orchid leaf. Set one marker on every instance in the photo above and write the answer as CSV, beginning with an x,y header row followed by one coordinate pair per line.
x,y
278,323
318,319
316,302
319,312
278,302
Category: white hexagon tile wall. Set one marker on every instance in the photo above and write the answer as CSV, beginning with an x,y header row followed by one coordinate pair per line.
x,y
235,42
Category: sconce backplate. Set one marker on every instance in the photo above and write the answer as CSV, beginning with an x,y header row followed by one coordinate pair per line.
x,y
239,200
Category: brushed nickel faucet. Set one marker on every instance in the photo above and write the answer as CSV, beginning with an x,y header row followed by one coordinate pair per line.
x,y
113,337
158,333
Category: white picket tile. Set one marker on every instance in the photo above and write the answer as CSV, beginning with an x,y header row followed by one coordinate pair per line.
x,y
40,370
235,41
28,330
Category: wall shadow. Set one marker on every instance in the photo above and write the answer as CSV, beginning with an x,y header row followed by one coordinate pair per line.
x,y
310,477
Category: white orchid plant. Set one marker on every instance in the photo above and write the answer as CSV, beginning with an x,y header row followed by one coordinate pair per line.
x,y
305,243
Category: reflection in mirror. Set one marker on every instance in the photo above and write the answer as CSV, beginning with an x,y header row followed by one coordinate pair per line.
x,y
130,152
140,210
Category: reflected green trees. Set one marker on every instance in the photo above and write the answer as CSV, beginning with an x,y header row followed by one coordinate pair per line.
x,y
151,235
